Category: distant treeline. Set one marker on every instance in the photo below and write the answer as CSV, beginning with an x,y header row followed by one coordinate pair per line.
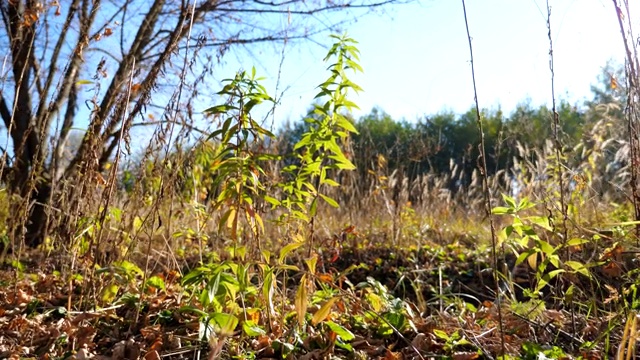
x,y
435,144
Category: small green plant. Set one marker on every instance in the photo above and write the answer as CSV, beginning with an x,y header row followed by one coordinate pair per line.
x,y
388,312
532,351
216,288
451,342
539,254
319,153
235,172
120,277
237,165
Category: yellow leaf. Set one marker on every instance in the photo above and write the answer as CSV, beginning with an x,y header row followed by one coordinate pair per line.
x,y
375,301
301,300
324,311
109,293
532,260
259,221
311,263
287,250
232,218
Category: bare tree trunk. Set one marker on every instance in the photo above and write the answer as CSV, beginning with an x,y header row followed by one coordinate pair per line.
x,y
47,44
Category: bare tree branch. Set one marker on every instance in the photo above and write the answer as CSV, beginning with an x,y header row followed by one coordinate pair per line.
x,y
50,53
53,62
5,112
306,12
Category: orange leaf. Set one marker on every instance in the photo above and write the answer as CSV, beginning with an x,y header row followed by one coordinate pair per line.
x,y
325,278
152,355
614,252
612,269
390,355
349,229
135,88
156,346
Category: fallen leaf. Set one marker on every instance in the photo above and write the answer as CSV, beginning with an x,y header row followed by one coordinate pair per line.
x,y
465,356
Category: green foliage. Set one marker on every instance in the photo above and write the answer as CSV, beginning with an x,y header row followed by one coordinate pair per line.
x,y
237,166
229,163
538,253
217,287
379,133
532,351
391,314
453,341
119,280
318,152
439,143
611,87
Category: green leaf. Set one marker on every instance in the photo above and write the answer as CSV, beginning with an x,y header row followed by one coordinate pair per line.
x,y
346,124
109,293
578,267
541,221
375,301
301,300
342,332
501,210
314,207
194,276
329,201
441,334
397,319
129,267
192,309
577,242
522,257
285,251
137,223
252,329
226,323
546,278
546,247
283,348
157,282
331,182
525,204
509,200
220,109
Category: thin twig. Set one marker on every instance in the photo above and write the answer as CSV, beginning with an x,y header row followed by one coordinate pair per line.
x,y
558,152
482,164
634,146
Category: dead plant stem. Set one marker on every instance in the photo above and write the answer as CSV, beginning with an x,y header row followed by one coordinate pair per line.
x,y
632,122
558,152
482,164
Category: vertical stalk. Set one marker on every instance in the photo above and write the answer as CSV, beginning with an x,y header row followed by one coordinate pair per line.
x,y
482,164
556,138
632,115
558,152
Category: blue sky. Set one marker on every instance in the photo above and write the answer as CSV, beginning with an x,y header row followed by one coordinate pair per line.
x,y
416,57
